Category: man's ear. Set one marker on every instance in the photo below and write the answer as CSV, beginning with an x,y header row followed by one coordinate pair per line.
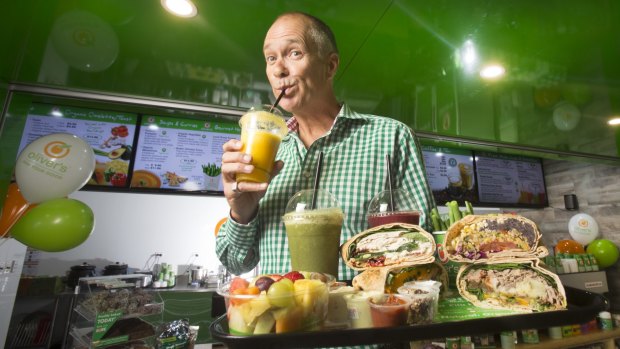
x,y
333,61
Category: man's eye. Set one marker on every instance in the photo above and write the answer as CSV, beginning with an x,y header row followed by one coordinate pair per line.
x,y
270,58
295,53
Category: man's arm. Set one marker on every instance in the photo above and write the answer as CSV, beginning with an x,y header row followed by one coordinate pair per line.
x,y
410,163
236,246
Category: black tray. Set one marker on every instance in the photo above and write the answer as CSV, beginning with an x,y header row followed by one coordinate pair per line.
x,y
583,306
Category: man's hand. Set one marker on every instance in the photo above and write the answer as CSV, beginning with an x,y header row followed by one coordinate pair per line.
x,y
242,197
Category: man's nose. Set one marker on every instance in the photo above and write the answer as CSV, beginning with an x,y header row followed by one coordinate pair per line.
x,y
279,69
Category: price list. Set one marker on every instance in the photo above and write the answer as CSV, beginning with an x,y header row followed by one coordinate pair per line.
x,y
510,179
109,133
181,154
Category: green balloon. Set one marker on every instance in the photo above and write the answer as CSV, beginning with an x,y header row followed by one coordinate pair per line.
x,y
55,225
605,252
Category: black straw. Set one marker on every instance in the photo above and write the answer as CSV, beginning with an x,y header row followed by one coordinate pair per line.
x,y
277,100
317,177
389,180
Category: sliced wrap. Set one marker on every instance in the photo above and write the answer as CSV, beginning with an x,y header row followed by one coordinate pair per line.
x,y
478,238
389,279
514,286
387,245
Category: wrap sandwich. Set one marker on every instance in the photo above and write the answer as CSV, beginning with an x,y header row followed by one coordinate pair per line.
x,y
478,238
387,245
389,279
513,286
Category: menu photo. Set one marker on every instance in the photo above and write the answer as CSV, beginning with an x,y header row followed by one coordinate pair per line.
x,y
181,154
109,133
450,174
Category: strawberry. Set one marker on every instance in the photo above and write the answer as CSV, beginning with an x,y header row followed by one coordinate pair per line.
x,y
294,275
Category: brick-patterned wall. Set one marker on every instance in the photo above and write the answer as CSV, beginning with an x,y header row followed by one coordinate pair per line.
x,y
598,192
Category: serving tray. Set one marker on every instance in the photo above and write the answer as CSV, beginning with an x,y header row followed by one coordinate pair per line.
x,y
583,306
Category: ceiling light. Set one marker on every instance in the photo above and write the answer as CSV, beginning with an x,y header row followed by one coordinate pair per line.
x,y
614,121
492,71
181,8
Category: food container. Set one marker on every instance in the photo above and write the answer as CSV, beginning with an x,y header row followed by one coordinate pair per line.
x,y
337,313
278,306
358,308
388,310
424,300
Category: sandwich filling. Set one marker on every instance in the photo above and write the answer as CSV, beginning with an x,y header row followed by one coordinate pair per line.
x,y
513,286
487,236
388,247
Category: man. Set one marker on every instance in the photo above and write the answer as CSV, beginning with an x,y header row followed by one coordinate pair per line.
x,y
302,58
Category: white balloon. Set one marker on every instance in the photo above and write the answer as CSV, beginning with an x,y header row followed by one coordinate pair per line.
x,y
54,166
583,228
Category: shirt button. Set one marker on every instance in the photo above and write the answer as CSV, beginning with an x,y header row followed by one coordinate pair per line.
x,y
307,174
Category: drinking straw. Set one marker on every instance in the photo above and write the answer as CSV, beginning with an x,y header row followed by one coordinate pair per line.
x,y
275,104
317,177
389,176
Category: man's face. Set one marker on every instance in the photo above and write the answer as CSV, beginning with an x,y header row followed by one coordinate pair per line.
x,y
293,63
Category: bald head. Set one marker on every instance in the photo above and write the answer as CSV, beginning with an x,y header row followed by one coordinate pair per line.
x,y
318,32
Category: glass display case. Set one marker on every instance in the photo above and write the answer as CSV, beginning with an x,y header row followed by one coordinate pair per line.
x,y
111,310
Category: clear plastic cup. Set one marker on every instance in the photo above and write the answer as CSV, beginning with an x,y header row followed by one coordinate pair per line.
x,y
388,310
359,309
381,211
425,300
314,233
262,131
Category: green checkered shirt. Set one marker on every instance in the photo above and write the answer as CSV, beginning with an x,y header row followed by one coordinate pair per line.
x,y
353,170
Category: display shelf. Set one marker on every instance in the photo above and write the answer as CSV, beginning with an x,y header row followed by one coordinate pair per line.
x,y
599,336
583,306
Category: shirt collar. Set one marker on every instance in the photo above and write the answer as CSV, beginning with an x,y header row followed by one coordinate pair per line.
x,y
344,113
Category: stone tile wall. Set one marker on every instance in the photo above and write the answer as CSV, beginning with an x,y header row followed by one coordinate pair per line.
x,y
598,192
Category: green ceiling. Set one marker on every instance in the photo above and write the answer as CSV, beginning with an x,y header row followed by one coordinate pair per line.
x,y
398,59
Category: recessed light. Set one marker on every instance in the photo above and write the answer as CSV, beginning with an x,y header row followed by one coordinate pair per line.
x,y
181,8
492,71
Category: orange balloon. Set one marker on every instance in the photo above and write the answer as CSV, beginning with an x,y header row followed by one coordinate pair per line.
x,y
14,207
219,225
569,246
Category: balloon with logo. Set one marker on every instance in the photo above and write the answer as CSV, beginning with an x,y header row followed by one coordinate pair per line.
x,y
583,228
54,166
55,225
14,207
605,252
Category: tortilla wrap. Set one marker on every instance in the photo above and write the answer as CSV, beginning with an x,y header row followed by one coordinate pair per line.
x,y
480,238
389,279
518,285
387,245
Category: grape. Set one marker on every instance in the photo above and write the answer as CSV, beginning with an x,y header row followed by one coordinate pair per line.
x,y
280,294
263,283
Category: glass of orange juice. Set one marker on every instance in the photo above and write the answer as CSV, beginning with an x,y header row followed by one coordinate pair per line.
x,y
262,131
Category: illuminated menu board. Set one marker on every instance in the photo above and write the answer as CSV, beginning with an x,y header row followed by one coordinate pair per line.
x,y
510,180
450,174
109,133
181,154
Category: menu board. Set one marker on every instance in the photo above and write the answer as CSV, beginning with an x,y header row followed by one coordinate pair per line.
x,y
109,133
510,180
450,174
181,154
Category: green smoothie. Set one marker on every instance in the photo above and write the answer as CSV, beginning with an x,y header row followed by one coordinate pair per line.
x,y
314,239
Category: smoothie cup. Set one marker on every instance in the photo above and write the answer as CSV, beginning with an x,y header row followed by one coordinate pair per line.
x,y
314,233
404,209
261,133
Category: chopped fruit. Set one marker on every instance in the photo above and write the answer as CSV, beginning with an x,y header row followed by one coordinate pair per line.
x,y
310,294
294,275
281,293
258,306
275,277
289,320
236,323
263,283
264,324
238,283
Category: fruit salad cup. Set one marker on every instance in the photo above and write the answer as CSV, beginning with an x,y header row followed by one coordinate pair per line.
x,y
274,303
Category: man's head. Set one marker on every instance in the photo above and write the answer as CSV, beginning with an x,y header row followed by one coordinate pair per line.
x,y
302,57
